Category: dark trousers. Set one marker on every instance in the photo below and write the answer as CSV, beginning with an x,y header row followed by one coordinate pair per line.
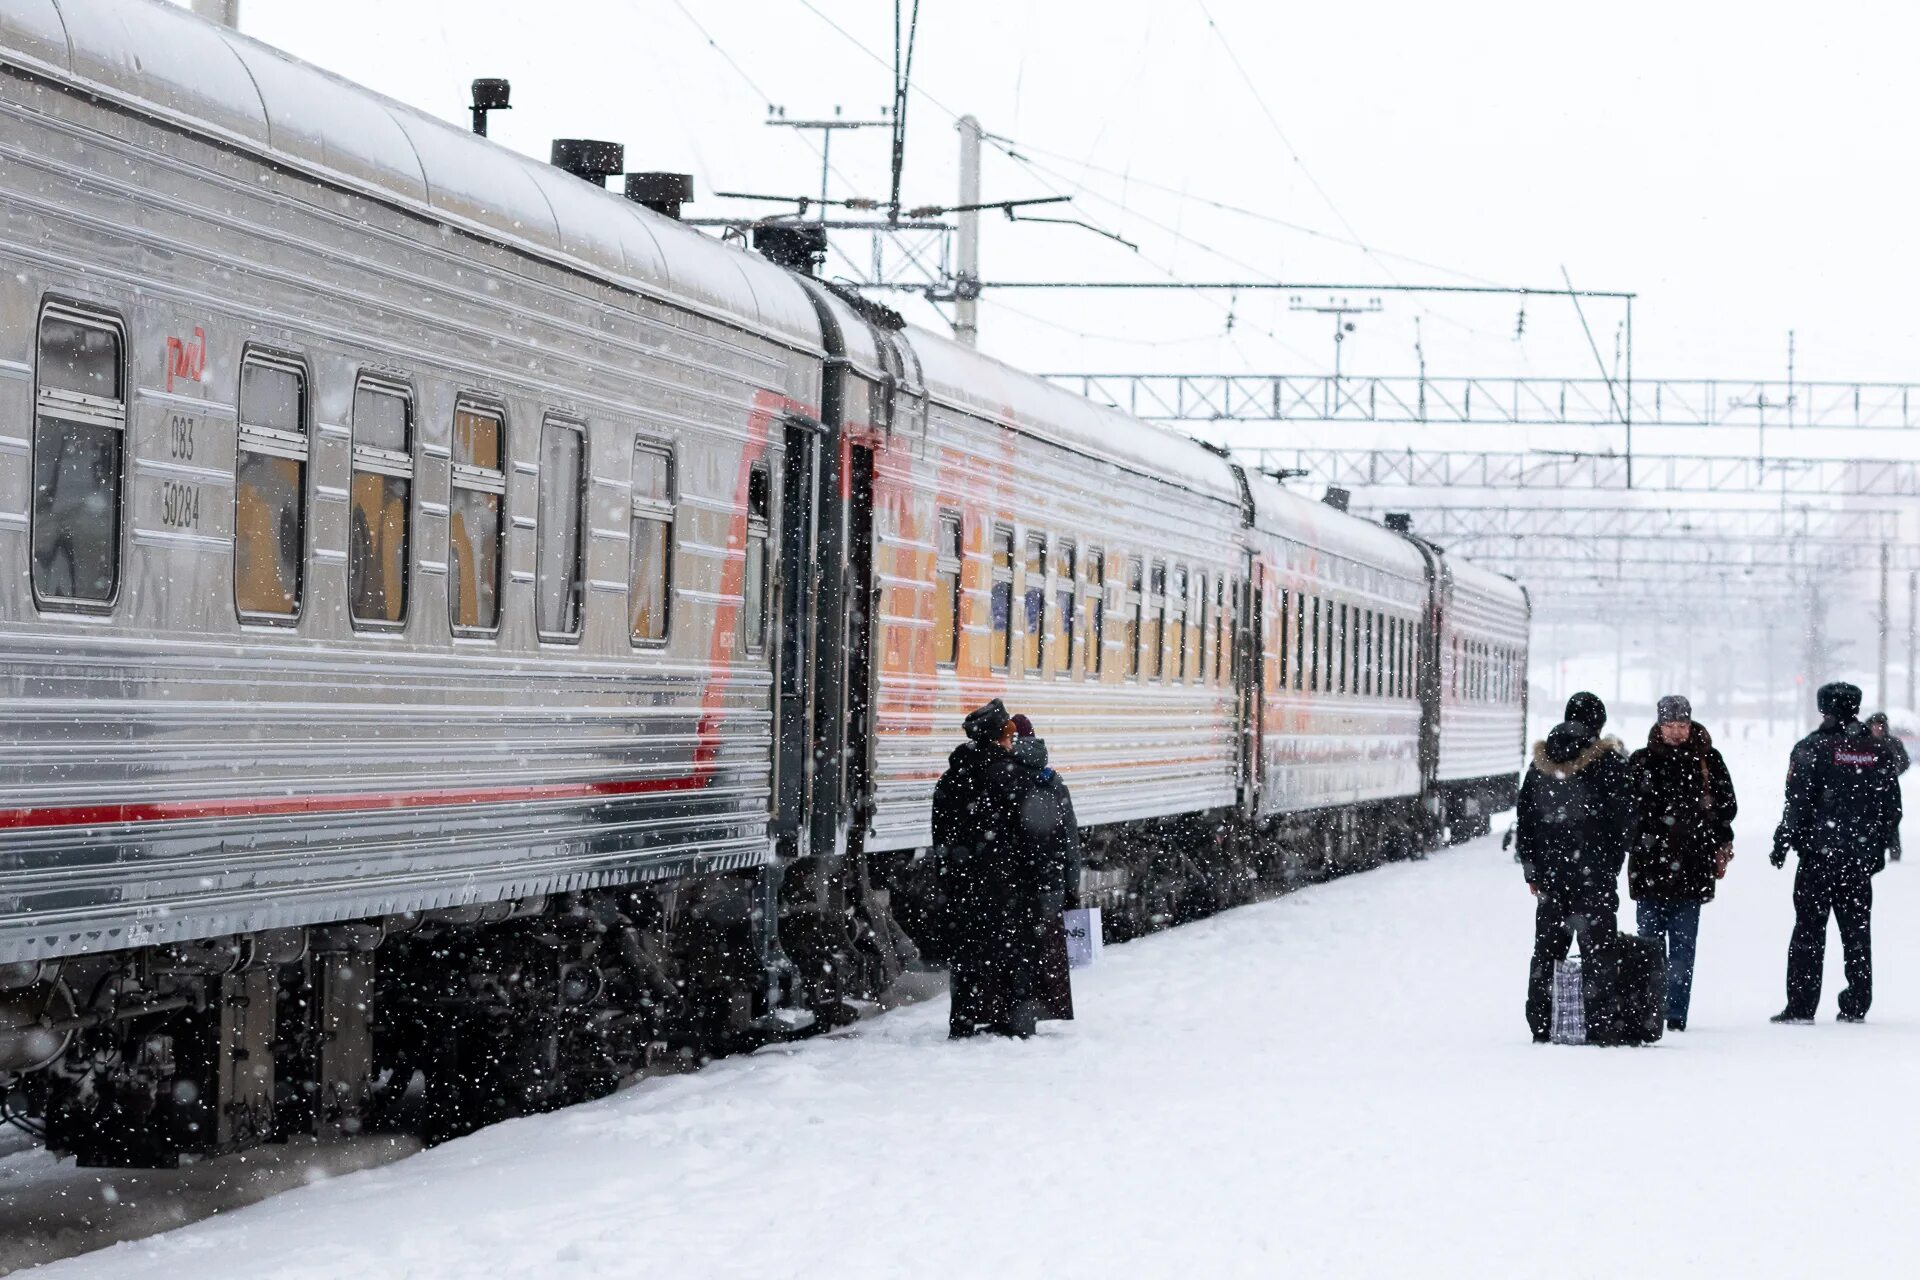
x,y
1555,926
1845,891
1676,927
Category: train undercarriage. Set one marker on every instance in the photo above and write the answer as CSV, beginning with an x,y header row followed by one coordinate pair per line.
x,y
439,1023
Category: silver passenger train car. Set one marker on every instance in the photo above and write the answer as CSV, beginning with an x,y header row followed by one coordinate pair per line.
x,y
464,635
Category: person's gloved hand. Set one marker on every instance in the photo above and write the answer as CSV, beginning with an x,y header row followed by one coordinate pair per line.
x,y
1780,844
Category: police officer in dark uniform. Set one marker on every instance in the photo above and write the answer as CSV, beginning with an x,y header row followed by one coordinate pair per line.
x,y
1843,812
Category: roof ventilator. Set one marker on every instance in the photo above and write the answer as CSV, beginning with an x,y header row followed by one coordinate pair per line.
x,y
1337,498
796,246
589,158
661,192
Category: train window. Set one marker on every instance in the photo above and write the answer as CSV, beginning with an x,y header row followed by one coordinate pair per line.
x,y
1363,642
1202,628
948,556
1337,678
475,519
379,541
1402,664
269,488
1134,616
1065,592
560,555
1313,657
1221,632
650,539
1299,641
1033,602
753,604
1285,650
1096,642
1358,682
1155,634
1002,598
79,443
1177,601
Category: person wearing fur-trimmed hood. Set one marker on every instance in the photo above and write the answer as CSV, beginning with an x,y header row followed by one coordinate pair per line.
x,y
1574,827
1687,807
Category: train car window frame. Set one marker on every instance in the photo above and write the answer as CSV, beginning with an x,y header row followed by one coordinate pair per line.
x,y
1156,647
1000,600
1373,656
288,444
552,428
949,573
1096,628
472,478
70,415
754,575
1135,613
1066,589
1337,676
652,524
1285,651
1299,641
1196,626
1313,656
393,464
1179,599
1222,602
1033,604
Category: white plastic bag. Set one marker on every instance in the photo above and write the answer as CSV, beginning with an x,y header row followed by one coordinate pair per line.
x,y
1083,936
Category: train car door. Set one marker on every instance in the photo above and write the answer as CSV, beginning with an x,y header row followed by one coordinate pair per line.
x,y
798,636
1249,678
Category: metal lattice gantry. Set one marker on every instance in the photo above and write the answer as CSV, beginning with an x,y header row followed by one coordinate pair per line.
x,y
1378,469
1503,401
1718,560
1457,524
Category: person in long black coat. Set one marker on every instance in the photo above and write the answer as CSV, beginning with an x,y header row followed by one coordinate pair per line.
x,y
1685,838
993,875
1050,834
1574,826
1843,814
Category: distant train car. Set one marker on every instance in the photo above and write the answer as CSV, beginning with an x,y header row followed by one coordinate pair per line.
x,y
1481,621
464,635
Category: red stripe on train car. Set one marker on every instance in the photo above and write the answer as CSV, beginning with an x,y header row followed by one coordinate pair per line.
x,y
97,815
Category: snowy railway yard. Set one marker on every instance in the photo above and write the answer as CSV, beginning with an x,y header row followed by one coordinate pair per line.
x,y
1335,1082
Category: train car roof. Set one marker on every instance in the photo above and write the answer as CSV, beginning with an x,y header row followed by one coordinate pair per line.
x,y
1281,511
161,59
1475,578
968,380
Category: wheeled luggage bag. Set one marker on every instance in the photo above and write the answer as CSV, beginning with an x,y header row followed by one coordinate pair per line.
x,y
1624,988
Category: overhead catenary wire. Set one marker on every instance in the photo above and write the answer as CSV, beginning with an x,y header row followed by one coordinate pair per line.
x,y
1293,152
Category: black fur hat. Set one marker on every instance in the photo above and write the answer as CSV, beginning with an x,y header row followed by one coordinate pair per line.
x,y
1839,700
987,723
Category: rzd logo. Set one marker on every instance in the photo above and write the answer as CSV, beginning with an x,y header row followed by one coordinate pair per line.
x,y
187,361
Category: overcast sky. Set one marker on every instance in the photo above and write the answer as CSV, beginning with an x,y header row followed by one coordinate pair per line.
x,y
1745,168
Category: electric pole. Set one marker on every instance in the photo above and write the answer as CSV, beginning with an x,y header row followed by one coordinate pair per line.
x,y
966,283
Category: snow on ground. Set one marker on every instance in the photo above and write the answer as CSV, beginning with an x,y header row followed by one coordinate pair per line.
x,y
1339,1082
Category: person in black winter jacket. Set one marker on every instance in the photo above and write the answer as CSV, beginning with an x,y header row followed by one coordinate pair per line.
x,y
1684,841
1878,726
1573,828
994,876
1047,820
1843,812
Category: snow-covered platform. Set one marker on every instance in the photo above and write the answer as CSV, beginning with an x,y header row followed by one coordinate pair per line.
x,y
1339,1082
